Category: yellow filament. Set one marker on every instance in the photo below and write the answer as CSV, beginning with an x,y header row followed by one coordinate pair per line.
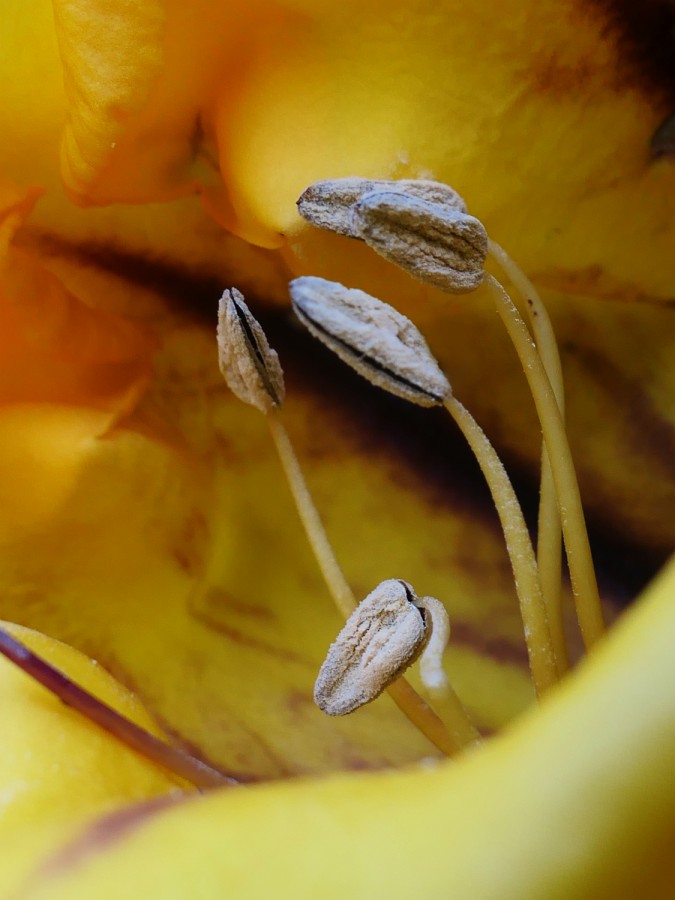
x,y
519,546
549,537
434,680
579,560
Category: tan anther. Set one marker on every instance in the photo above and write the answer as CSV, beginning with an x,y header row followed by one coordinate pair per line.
x,y
372,337
248,364
442,247
328,204
383,636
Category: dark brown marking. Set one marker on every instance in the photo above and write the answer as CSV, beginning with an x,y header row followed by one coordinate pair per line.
x,y
245,640
654,435
645,36
188,550
485,644
105,832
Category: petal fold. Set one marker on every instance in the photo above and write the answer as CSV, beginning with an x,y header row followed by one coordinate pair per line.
x,y
112,53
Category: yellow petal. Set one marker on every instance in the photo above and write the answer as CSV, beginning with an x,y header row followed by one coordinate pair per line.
x,y
57,770
34,114
576,801
112,54
551,159
159,527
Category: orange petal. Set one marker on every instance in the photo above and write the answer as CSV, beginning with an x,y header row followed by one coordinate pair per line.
x,y
53,346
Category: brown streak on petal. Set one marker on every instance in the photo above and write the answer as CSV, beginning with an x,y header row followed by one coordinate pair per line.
x,y
594,281
197,751
297,705
245,640
641,38
178,739
195,294
189,547
556,76
480,640
223,601
253,736
106,832
654,436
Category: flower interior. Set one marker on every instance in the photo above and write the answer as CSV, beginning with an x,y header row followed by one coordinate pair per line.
x,y
422,227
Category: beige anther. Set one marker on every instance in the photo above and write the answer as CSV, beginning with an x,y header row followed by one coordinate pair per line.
x,y
372,337
328,204
383,636
438,245
248,364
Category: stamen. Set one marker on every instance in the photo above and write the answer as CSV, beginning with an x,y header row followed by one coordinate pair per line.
x,y
383,636
549,535
417,235
325,294
309,516
374,339
247,362
249,384
579,559
543,663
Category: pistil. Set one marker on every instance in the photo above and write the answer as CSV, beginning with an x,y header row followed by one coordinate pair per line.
x,y
435,680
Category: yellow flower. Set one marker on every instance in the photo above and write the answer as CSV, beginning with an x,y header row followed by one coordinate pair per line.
x,y
145,520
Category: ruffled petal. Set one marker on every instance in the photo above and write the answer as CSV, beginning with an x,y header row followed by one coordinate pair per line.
x,y
112,54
